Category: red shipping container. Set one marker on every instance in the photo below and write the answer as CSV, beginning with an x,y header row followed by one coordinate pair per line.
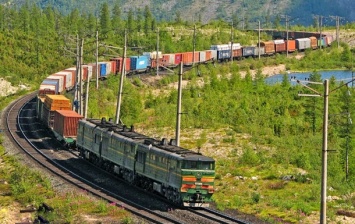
x,y
66,123
280,46
178,58
113,67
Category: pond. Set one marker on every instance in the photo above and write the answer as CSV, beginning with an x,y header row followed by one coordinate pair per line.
x,y
339,75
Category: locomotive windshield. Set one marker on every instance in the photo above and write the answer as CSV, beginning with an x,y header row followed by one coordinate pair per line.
x,y
198,165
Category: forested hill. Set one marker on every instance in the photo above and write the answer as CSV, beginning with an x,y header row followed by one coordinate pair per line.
x,y
246,12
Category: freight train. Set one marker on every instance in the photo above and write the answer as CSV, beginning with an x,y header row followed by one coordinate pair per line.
x,y
181,175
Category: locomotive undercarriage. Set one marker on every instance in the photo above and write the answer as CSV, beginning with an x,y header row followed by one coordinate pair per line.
x,y
172,194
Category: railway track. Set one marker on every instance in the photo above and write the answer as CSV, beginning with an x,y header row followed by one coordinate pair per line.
x,y
37,142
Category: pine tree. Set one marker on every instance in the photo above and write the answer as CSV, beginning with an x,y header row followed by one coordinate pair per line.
x,y
105,22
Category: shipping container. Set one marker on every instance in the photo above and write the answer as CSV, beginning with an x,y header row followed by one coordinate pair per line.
x,y
303,44
280,46
329,40
119,63
248,51
66,123
223,54
214,55
314,42
57,102
209,55
178,58
61,83
103,69
237,53
49,85
291,45
139,63
268,46
322,42
259,51
203,56
69,79
74,73
89,73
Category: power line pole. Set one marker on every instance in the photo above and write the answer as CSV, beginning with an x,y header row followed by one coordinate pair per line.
x,y
194,46
259,40
123,74
81,77
232,37
287,23
323,204
97,59
178,114
323,209
157,56
337,25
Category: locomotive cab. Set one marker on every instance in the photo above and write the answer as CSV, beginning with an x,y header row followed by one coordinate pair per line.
x,y
198,174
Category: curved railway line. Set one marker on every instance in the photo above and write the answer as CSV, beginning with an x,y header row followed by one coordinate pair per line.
x,y
37,142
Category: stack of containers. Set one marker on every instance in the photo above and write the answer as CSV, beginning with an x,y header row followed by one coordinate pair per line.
x,y
69,79
66,125
61,82
50,105
48,86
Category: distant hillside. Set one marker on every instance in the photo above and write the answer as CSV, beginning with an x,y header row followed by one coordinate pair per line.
x,y
247,11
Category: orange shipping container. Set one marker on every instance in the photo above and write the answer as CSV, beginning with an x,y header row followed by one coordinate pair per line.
x,y
269,47
291,45
314,42
66,123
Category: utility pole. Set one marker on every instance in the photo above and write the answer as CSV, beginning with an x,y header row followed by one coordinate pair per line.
x,y
97,59
259,40
337,25
81,77
287,23
323,204
232,37
323,209
157,56
194,46
76,91
178,114
123,74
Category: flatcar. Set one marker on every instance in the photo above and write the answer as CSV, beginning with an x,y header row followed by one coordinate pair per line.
x,y
182,176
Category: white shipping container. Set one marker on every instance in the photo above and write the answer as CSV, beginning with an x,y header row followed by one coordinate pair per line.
x,y
202,56
60,82
68,79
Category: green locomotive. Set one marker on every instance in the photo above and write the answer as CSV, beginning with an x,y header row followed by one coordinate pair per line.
x,y
182,176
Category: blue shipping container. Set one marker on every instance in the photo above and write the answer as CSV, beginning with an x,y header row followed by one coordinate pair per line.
x,y
223,54
102,69
139,62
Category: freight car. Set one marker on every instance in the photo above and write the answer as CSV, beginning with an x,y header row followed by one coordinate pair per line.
x,y
182,176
